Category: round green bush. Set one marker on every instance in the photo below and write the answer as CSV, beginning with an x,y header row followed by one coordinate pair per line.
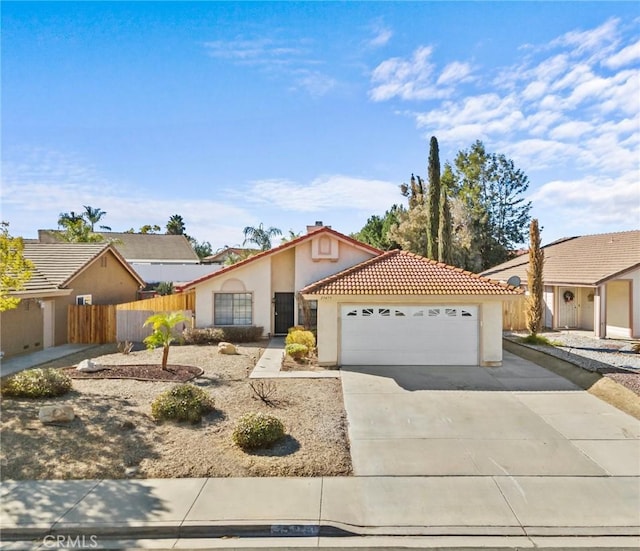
x,y
36,383
184,402
296,351
257,430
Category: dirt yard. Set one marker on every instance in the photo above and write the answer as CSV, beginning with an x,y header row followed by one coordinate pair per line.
x,y
113,435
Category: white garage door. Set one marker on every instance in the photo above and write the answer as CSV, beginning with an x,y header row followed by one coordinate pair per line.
x,y
409,335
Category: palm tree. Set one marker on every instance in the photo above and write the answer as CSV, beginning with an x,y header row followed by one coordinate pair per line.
x,y
292,235
66,219
163,331
93,216
175,225
260,236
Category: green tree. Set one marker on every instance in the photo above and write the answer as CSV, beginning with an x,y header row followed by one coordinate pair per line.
x,y
535,300
202,249
376,232
445,245
15,269
292,235
490,190
175,225
75,229
163,325
434,197
260,236
93,216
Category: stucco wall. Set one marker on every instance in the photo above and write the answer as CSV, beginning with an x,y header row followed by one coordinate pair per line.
x,y
490,329
285,271
106,280
253,278
618,309
634,277
21,329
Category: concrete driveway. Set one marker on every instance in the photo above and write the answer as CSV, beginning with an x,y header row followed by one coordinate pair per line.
x,y
516,420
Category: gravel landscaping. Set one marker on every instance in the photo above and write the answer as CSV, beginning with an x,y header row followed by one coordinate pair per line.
x,y
610,357
114,436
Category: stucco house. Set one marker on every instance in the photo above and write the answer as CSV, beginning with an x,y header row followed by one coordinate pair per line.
x,y
368,306
155,257
591,282
64,274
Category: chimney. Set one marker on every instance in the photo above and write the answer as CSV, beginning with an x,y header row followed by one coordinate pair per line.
x,y
318,224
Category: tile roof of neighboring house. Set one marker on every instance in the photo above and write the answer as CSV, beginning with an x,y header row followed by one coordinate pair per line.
x,y
403,273
284,246
55,264
583,260
150,247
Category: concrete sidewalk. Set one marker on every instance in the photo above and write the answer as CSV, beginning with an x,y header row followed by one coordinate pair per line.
x,y
527,510
14,364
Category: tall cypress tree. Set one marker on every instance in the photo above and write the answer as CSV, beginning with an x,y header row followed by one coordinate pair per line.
x,y
444,220
433,199
535,305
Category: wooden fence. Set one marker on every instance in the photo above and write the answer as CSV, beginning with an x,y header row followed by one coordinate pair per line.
x,y
101,324
514,314
91,324
166,303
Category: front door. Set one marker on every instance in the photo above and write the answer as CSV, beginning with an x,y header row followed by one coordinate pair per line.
x,y
567,308
283,313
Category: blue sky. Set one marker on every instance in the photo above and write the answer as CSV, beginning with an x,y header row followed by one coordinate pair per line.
x,y
234,113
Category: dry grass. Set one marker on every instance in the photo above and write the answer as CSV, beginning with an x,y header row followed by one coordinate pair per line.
x,y
114,436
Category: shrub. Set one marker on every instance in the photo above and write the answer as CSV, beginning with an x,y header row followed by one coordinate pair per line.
x,y
37,383
636,348
184,402
257,430
296,351
537,339
305,338
214,335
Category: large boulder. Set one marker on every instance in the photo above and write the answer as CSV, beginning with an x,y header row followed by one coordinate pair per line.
x,y
226,348
56,414
89,366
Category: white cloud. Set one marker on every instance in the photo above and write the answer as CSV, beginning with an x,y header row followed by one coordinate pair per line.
x,y
325,193
409,79
317,84
597,40
570,130
455,72
626,56
255,51
382,35
38,185
592,199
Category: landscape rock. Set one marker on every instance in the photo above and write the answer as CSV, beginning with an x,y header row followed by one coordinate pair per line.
x,y
89,366
56,414
226,348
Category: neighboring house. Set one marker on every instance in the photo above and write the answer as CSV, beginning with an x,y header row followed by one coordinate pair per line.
x,y
591,282
228,253
64,273
155,257
371,307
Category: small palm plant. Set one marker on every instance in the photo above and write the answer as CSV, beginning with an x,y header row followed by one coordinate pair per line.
x,y
163,335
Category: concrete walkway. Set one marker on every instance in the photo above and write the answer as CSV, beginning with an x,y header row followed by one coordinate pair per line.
x,y
14,364
269,365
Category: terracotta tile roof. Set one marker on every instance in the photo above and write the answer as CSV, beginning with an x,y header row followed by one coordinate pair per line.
x,y
283,247
55,264
584,260
403,273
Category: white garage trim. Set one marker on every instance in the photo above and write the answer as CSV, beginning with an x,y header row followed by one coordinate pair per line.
x,y
382,334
